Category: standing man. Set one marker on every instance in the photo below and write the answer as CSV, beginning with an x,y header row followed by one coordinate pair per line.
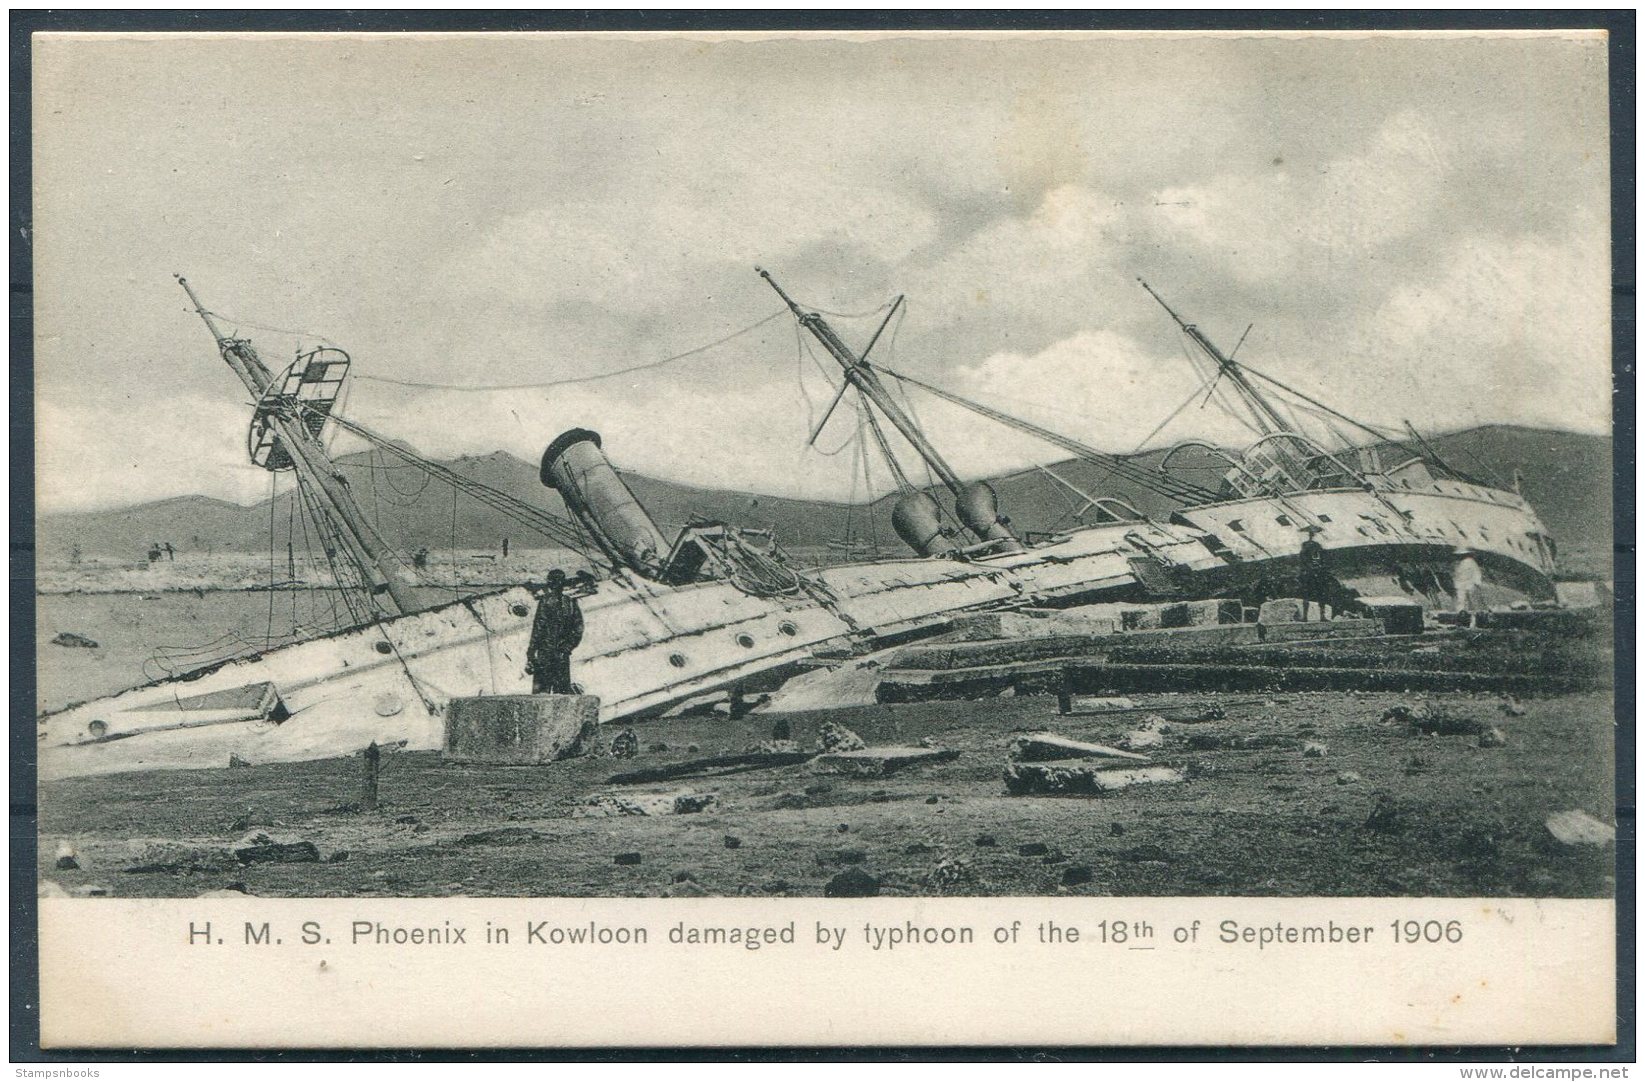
x,y
1315,586
555,632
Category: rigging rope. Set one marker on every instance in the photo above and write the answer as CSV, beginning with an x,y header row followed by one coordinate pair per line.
x,y
569,381
1163,484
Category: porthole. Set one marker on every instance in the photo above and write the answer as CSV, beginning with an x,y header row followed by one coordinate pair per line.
x,y
98,728
382,647
746,641
677,660
787,627
518,609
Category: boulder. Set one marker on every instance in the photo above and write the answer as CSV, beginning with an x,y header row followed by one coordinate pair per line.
x,y
520,729
1493,737
836,737
261,848
852,883
625,745
1579,828
1312,749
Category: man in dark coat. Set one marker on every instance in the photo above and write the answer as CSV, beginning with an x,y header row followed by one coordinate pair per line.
x,y
555,632
1315,581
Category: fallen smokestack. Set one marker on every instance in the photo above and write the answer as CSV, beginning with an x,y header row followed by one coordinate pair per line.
x,y
575,466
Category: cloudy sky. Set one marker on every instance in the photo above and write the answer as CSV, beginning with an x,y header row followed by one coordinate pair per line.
x,y
1414,227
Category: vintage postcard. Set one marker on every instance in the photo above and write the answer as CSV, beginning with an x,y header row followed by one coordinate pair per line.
x,y
1079,538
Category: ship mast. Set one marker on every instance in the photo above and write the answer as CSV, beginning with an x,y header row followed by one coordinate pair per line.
x,y
861,375
1267,417
390,593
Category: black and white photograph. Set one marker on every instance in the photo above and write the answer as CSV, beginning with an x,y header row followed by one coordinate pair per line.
x,y
824,465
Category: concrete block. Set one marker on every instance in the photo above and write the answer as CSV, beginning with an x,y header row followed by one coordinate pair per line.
x,y
1043,747
1174,615
1145,619
1061,779
1399,615
1213,611
1281,610
520,729
878,762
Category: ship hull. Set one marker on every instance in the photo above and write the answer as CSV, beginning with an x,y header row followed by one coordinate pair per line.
x,y
648,646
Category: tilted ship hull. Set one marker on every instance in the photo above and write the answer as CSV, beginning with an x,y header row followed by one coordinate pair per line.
x,y
712,612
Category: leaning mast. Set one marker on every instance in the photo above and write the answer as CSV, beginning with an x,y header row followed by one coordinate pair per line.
x,y
861,375
282,411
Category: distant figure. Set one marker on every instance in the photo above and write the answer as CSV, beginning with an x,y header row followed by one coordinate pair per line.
x,y
419,559
1314,585
154,552
555,632
505,548
171,553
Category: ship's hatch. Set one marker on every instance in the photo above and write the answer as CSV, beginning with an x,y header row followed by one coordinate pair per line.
x,y
249,701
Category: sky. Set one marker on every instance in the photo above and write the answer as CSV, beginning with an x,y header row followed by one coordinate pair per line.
x,y
1412,227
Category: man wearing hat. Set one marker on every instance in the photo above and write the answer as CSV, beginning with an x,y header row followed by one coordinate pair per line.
x,y
555,632
1315,581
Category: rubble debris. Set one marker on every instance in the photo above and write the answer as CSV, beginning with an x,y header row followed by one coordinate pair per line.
x,y
1577,827
1096,704
339,857
93,890
501,836
67,858
1493,737
1076,875
1055,779
733,842
1313,749
834,737
1150,734
1033,849
844,828
518,729
260,848
878,762
949,874
1116,830
852,883
235,762
773,747
1347,777
71,639
1513,707
625,745
1399,615
658,748
1433,719
626,858
614,806
713,767
780,730
1046,747
933,799
686,888
1386,818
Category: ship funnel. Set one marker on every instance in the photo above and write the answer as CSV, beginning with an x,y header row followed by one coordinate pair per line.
x,y
576,468
916,518
979,509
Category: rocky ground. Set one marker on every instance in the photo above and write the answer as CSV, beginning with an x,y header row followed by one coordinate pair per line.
x,y
1288,794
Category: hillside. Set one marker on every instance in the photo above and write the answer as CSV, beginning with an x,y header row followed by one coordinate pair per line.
x,y
1565,475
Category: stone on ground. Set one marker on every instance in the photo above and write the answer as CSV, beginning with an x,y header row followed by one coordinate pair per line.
x,y
1577,827
836,737
523,729
852,883
1046,747
1056,779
